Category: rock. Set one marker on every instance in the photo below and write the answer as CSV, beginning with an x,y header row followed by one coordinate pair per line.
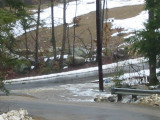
x,y
156,105
96,99
80,52
126,100
100,98
111,98
104,99
22,66
49,63
120,54
77,61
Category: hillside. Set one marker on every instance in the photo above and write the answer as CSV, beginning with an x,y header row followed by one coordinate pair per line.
x,y
82,31
85,34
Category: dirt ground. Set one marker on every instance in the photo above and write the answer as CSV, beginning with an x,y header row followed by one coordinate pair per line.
x,y
83,35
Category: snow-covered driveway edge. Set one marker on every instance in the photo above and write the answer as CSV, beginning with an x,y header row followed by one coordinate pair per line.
x,y
81,73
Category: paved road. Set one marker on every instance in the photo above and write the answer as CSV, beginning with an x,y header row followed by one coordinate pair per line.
x,y
80,111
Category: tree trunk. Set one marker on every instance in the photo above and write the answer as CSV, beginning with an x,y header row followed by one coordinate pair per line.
x,y
69,47
152,67
37,34
74,29
64,35
152,59
53,36
26,43
99,43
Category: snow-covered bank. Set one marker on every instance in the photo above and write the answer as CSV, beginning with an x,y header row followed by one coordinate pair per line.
x,y
84,7
77,73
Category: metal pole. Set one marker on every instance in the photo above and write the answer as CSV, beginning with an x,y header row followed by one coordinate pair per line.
x,y
99,43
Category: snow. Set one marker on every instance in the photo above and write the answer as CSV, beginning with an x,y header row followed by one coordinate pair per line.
x,y
84,7
132,24
58,56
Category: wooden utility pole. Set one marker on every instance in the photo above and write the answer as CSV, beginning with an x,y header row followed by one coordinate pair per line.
x,y
99,43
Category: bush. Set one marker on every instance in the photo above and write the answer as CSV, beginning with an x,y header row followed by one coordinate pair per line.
x,y
46,70
2,86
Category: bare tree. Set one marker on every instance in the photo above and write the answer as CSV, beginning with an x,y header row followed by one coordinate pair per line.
x,y
69,48
64,34
26,43
53,35
91,48
74,32
37,34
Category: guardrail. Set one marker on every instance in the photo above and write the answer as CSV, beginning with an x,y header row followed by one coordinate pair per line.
x,y
134,92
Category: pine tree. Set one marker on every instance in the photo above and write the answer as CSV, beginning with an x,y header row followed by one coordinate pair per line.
x,y
7,42
147,41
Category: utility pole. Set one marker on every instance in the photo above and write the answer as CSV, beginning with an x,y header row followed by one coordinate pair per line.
x,y
99,43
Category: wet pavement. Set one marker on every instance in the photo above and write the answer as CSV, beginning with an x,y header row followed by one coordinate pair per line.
x,y
79,111
85,92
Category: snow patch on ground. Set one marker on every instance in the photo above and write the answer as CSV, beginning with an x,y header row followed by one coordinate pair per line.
x,y
131,24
